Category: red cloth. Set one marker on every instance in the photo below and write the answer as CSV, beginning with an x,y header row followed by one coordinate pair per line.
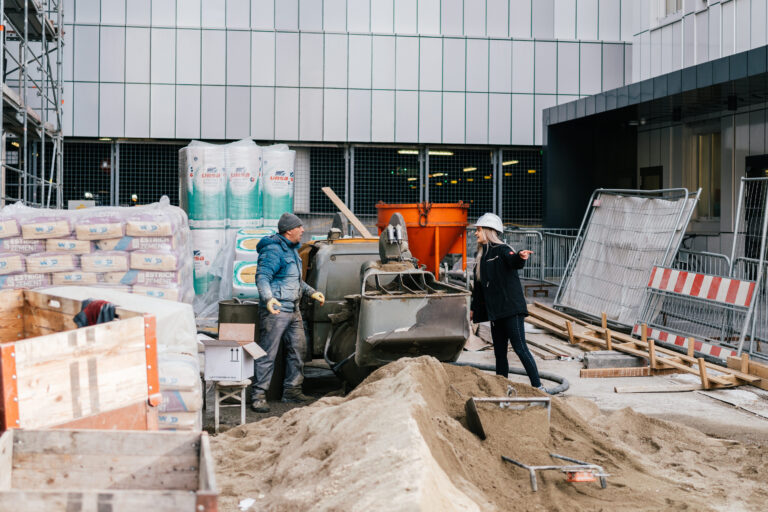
x,y
93,309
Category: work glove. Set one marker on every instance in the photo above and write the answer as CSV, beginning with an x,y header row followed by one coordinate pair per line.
x,y
319,297
273,306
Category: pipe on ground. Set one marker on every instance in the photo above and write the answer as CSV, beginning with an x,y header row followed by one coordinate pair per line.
x,y
562,386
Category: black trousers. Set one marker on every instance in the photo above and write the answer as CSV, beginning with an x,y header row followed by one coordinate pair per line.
x,y
512,329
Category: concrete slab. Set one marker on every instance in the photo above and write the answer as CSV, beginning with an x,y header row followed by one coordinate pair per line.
x,y
612,359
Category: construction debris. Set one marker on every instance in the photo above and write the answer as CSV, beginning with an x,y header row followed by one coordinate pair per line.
x,y
399,442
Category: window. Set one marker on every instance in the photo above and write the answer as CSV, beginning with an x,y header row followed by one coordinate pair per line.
x,y
708,175
673,6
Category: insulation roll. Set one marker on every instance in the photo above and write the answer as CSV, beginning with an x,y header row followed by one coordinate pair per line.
x,y
206,184
243,165
247,240
244,280
206,246
277,198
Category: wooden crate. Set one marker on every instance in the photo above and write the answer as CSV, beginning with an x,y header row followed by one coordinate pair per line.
x,y
53,374
106,470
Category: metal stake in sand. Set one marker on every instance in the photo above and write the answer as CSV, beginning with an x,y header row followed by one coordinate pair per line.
x,y
473,417
580,471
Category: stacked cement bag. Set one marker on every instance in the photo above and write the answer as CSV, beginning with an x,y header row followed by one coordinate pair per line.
x,y
231,189
144,250
182,403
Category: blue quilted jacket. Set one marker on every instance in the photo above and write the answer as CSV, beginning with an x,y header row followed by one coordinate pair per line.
x,y
278,273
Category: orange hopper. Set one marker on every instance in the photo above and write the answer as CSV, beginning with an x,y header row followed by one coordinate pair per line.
x,y
434,230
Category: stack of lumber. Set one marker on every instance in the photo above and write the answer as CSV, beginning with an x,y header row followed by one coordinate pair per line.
x,y
660,360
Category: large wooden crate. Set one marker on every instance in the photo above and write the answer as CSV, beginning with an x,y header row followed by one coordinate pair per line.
x,y
112,470
54,374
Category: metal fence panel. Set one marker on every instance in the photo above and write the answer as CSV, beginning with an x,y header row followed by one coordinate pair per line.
x,y
623,235
703,262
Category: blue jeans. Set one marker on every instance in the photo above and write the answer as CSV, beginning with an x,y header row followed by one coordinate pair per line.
x,y
512,328
273,329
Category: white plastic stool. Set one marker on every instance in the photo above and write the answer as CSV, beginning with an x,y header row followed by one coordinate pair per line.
x,y
229,389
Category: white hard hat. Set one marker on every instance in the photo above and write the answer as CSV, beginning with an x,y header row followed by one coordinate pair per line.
x,y
489,220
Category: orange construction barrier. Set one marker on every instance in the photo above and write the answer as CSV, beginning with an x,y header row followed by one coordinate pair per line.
x,y
434,230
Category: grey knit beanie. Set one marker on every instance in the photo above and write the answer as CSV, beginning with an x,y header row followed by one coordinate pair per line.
x,y
287,222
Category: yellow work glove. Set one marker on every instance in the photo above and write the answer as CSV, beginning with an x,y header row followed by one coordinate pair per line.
x,y
273,305
319,297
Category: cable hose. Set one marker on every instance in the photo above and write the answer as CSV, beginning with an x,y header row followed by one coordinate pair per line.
x,y
562,381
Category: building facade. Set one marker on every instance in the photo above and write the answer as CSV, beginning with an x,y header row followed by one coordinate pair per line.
x,y
470,77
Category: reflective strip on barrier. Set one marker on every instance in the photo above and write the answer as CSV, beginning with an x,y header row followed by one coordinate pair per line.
x,y
714,288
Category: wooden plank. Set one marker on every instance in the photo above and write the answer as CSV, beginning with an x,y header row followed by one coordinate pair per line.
x,y
547,327
112,442
9,391
671,388
562,315
74,374
207,467
113,500
652,353
756,369
39,322
703,374
541,353
638,371
42,300
569,327
608,339
6,459
11,315
346,212
138,416
549,348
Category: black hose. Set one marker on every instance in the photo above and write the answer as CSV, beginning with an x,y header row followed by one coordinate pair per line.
x,y
562,381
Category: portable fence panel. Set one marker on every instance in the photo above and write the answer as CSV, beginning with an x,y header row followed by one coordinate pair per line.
x,y
710,309
703,262
521,187
557,246
748,260
462,175
148,171
532,241
625,233
87,171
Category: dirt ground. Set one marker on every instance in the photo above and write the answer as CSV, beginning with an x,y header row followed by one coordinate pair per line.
x,y
399,442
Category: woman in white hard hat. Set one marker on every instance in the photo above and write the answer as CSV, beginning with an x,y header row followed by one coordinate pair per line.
x,y
498,296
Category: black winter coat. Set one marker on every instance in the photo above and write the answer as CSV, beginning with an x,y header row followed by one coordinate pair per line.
x,y
498,293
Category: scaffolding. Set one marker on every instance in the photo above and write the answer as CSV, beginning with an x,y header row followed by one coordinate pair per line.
x,y
31,142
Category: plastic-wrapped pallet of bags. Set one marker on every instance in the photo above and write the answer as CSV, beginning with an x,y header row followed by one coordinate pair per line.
x,y
12,263
99,227
46,226
277,177
181,389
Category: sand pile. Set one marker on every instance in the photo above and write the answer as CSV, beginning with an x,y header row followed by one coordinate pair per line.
x,y
399,442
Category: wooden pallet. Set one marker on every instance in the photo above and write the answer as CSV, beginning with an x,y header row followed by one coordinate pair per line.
x,y
660,360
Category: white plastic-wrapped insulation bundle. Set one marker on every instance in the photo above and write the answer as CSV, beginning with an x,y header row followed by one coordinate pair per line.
x,y
277,178
202,169
206,246
243,165
247,240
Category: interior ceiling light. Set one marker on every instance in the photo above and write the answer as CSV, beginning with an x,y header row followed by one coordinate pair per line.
x,y
531,171
104,138
507,174
14,144
470,169
470,179
441,153
510,162
453,182
487,177
407,151
437,175
412,179
439,183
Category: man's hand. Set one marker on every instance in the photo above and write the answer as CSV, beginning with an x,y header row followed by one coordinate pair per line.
x,y
525,254
273,306
319,297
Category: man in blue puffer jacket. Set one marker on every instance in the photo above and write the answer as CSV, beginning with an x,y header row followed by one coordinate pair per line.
x,y
278,277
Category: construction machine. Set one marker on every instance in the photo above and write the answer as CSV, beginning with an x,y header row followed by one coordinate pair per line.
x,y
381,304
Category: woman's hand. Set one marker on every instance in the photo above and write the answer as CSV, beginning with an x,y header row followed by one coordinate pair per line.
x,y
525,254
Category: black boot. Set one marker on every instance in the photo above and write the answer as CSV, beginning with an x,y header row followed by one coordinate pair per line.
x,y
295,396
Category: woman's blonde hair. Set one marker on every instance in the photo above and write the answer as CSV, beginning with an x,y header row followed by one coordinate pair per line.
x,y
492,236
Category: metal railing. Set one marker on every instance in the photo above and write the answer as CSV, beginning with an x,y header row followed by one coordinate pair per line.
x,y
703,263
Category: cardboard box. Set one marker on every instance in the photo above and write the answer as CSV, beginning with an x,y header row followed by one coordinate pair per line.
x,y
230,360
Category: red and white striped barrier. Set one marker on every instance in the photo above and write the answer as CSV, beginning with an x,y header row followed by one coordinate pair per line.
x,y
682,341
703,286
